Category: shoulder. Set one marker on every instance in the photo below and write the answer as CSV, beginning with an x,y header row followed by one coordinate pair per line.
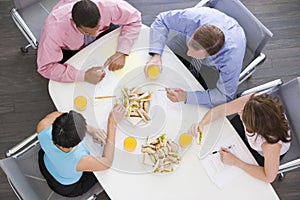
x,y
47,121
271,148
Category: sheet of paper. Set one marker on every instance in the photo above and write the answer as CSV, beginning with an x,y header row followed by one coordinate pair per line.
x,y
220,173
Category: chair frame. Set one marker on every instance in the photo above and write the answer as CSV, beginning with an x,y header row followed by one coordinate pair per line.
x,y
267,88
23,147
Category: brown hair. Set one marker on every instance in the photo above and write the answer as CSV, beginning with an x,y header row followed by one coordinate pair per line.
x,y
209,37
264,114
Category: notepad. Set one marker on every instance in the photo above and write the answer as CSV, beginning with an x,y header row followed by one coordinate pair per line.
x,y
220,173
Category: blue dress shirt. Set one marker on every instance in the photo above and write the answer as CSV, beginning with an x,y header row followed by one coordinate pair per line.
x,y
228,61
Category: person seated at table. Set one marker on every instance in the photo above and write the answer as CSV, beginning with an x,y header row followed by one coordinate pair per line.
x,y
201,36
264,129
72,25
65,160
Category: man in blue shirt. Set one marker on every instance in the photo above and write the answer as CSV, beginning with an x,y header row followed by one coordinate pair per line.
x,y
203,36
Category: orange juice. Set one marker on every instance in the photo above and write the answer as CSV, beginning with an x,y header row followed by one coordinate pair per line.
x,y
153,71
80,103
129,144
185,140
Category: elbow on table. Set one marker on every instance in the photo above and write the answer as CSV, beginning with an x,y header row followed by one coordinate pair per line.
x,y
270,178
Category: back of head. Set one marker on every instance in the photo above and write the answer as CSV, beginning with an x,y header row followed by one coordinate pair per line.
x,y
209,37
264,114
85,13
68,129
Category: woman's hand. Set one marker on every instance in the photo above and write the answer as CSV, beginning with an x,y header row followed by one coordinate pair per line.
x,y
195,129
117,113
99,135
227,157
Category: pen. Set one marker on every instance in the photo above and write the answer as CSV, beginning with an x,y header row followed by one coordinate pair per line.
x,y
175,90
229,147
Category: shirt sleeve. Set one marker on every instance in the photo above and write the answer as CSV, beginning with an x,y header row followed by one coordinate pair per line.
x,y
176,20
130,20
226,85
49,54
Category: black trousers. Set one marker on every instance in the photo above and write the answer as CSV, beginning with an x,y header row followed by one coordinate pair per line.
x,y
86,182
238,126
67,54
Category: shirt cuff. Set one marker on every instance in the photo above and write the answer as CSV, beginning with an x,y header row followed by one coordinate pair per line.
x,y
199,98
80,76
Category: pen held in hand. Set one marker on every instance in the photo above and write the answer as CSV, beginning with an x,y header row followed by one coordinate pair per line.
x,y
173,89
229,147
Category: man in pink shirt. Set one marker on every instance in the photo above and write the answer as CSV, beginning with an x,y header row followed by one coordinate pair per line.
x,y
73,24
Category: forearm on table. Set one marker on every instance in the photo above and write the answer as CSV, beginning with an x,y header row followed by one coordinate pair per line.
x,y
61,72
109,149
255,171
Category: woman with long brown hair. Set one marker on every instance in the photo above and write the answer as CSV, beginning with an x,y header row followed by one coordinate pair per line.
x,y
263,127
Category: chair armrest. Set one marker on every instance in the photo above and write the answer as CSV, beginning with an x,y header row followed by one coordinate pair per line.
x,y
248,71
202,3
264,88
29,142
24,28
289,166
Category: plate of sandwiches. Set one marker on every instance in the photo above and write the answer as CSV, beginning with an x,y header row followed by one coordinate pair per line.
x,y
160,155
142,119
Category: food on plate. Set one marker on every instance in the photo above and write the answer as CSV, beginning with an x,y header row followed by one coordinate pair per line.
x,y
80,103
129,144
137,102
185,140
153,71
161,154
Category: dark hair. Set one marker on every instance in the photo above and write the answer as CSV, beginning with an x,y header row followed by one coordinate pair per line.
x,y
264,114
209,37
68,129
85,13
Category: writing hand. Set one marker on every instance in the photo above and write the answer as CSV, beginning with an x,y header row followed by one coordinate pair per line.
x,y
227,157
94,75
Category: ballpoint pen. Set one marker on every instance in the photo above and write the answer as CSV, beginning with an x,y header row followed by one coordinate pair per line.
x,y
229,147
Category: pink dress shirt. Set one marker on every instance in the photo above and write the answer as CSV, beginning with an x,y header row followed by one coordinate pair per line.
x,y
60,33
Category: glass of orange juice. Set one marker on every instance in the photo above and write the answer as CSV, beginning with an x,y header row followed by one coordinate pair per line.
x,y
129,144
185,140
153,71
80,103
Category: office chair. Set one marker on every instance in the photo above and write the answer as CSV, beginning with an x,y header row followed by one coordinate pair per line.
x,y
24,176
29,16
256,33
289,93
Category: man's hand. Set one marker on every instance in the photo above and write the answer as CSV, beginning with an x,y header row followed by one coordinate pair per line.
x,y
176,95
154,60
94,75
115,62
